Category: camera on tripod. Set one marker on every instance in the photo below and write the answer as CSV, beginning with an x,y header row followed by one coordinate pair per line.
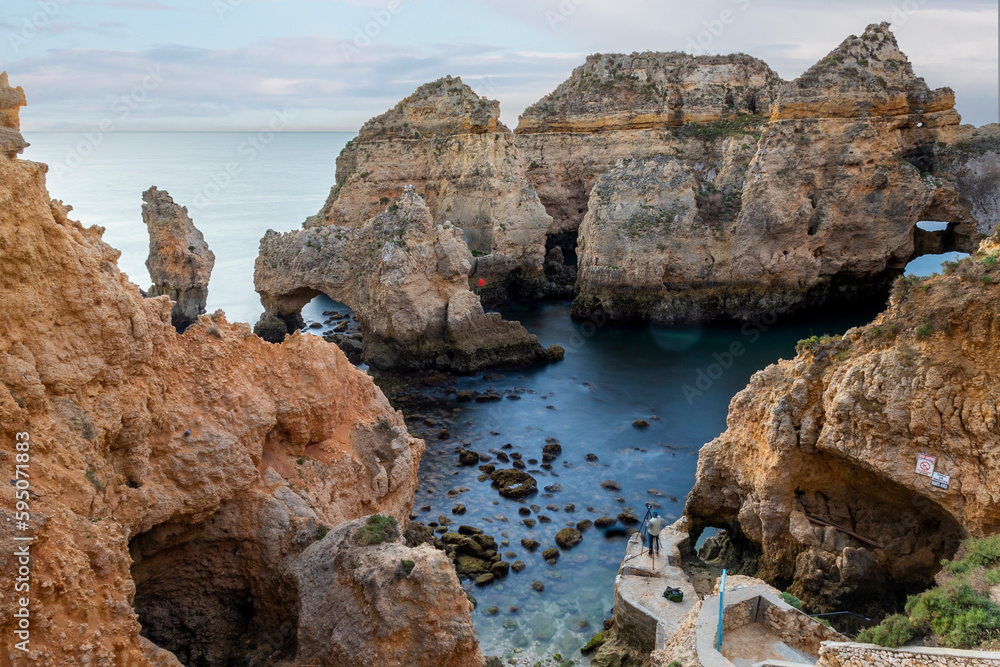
x,y
649,506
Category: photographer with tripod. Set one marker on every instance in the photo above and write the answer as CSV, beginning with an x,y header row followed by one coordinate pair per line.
x,y
653,525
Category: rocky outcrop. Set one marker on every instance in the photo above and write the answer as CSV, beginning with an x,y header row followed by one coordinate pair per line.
x,y
407,280
816,203
11,101
866,76
448,143
815,477
172,481
381,605
636,106
652,90
180,262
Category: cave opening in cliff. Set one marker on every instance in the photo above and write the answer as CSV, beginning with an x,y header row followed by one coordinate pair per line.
x,y
840,536
209,598
935,243
566,242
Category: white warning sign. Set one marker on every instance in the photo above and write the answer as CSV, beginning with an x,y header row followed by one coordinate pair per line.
x,y
940,480
925,464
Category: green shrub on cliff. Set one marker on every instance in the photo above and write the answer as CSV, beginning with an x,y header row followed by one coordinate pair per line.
x,y
956,613
895,630
959,611
982,552
792,600
379,529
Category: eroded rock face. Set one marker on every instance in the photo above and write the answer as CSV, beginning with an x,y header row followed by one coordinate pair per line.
x,y
634,107
166,471
381,605
826,209
406,279
448,143
863,77
180,262
645,90
826,445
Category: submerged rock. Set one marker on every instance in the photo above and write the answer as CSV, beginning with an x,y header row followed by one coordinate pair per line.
x,y
514,483
567,538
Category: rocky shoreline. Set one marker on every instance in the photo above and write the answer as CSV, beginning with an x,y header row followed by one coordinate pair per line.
x,y
187,492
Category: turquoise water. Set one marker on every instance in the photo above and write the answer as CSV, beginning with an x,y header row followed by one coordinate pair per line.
x,y
680,381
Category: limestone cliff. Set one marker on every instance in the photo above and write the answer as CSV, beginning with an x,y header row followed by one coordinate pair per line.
x,y
652,90
180,262
174,482
635,106
403,607
863,77
407,280
448,143
808,195
815,477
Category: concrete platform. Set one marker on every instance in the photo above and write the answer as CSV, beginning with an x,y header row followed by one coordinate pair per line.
x,y
753,643
640,585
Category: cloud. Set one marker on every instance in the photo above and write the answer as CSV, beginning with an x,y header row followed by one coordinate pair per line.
x,y
143,5
206,88
338,84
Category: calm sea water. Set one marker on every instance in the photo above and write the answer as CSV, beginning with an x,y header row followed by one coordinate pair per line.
x,y
235,186
680,381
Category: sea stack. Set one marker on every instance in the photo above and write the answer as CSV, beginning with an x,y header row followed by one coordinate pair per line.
x,y
180,262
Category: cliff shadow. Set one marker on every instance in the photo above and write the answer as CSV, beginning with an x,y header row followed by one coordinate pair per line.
x,y
839,536
211,597
938,238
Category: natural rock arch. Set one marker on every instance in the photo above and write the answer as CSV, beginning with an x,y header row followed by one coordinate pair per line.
x,y
406,279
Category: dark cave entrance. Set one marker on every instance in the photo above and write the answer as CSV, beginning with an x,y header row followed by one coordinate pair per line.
x,y
210,599
937,242
566,242
856,541
936,238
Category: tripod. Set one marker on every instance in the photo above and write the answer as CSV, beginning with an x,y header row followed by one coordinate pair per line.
x,y
643,532
645,522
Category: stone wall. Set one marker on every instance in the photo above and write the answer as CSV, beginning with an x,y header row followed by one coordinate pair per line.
x,y
633,625
798,630
740,614
839,654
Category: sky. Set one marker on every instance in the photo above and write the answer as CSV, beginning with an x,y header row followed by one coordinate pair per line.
x,y
330,65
